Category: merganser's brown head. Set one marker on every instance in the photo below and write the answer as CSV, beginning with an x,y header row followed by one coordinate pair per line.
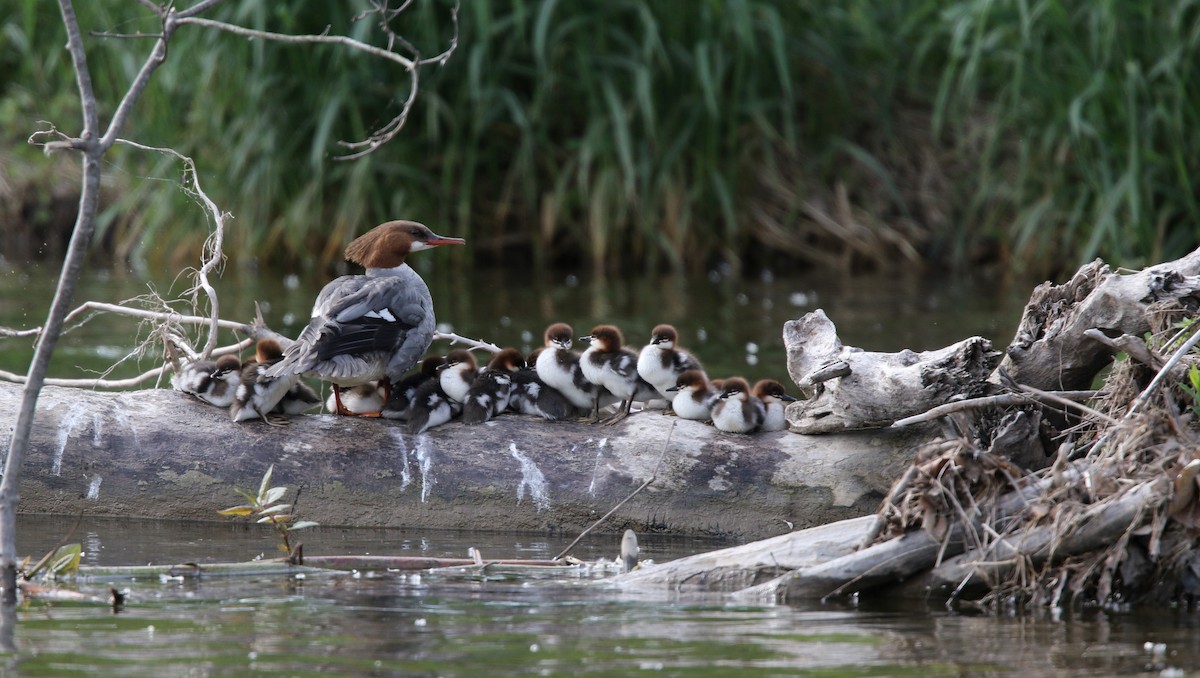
x,y
769,388
664,336
268,351
606,338
508,360
560,335
691,380
386,245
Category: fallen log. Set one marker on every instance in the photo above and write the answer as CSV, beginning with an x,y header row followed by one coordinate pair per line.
x,y
162,454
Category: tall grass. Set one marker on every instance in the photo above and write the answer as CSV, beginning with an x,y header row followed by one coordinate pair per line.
x,y
622,135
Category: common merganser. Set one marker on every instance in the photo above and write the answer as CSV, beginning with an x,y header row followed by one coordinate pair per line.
x,y
431,407
258,394
403,391
609,364
532,395
457,374
737,411
773,397
694,396
374,326
489,393
359,400
558,366
660,363
213,381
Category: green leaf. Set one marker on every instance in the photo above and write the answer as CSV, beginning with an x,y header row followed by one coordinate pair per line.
x,y
66,560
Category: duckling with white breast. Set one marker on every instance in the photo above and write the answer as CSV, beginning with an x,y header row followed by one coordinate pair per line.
x,y
661,361
607,363
694,396
737,411
558,366
774,399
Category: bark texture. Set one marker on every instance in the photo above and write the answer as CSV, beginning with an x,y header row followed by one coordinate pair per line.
x,y
163,454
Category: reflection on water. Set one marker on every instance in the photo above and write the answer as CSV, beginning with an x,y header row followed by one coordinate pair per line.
x,y
733,325
456,625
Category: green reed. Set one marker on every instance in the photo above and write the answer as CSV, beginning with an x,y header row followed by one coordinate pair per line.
x,y
627,134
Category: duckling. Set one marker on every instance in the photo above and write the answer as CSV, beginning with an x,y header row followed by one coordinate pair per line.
x,y
773,397
660,362
214,382
489,393
257,394
694,396
607,363
403,391
737,411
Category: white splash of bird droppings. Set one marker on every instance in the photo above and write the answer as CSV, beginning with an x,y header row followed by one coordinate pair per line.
x,y
65,428
424,462
93,491
531,478
405,471
97,430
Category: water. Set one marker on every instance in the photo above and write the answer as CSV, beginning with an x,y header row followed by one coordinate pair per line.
x,y
569,624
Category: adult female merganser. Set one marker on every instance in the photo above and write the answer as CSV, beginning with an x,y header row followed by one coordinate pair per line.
x,y
773,397
259,395
558,366
431,407
212,381
607,363
489,393
532,395
403,391
737,411
660,363
369,327
457,374
694,396
360,400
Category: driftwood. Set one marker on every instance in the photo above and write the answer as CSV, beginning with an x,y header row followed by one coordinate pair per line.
x,y
848,388
160,453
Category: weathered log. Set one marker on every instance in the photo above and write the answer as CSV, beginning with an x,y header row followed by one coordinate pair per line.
x,y
1052,349
848,388
160,453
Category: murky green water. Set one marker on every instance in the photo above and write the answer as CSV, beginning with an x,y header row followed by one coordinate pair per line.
x,y
385,624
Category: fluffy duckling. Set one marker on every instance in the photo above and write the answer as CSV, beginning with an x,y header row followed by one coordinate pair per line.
x,y
457,374
607,363
404,390
532,395
558,366
737,411
489,393
362,400
774,399
660,362
257,394
694,396
431,407
214,382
